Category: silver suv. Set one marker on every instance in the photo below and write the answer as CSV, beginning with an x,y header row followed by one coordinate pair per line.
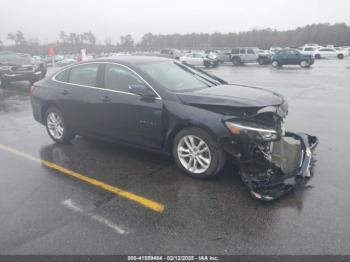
x,y
241,55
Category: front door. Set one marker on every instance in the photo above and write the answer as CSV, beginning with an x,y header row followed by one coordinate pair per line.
x,y
125,116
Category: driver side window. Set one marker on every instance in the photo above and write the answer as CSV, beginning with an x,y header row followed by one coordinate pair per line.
x,y
118,78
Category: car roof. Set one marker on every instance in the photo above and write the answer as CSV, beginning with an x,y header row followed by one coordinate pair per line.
x,y
132,59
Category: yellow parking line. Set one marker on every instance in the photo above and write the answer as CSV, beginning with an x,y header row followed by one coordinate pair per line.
x,y
153,205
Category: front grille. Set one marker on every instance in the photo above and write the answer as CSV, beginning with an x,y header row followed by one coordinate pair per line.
x,y
22,69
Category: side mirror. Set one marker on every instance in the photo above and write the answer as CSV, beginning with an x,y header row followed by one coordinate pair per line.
x,y
141,90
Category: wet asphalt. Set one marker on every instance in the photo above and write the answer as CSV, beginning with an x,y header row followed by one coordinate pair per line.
x,y
43,211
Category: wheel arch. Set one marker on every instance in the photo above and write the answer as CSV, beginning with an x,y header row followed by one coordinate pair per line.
x,y
45,107
168,146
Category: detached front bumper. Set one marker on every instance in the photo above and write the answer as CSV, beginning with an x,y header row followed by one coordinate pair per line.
x,y
270,179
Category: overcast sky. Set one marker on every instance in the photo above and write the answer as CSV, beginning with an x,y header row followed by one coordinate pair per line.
x,y
44,19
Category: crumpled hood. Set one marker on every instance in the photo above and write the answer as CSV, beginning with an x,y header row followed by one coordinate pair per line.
x,y
233,96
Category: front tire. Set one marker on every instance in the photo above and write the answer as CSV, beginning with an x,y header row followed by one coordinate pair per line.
x,y
276,64
56,126
340,56
197,153
206,64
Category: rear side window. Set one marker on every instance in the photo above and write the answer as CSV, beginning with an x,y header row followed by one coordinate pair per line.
x,y
63,76
84,75
119,78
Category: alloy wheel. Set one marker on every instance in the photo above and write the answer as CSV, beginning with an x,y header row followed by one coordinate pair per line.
x,y
194,154
55,125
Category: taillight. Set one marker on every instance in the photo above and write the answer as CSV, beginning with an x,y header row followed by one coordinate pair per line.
x,y
32,89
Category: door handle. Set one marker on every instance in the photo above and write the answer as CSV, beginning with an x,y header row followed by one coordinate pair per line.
x,y
105,99
64,92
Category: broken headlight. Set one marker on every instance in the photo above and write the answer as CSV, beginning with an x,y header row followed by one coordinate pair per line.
x,y
252,130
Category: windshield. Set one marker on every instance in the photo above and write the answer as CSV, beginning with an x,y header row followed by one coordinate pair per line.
x,y
177,77
15,59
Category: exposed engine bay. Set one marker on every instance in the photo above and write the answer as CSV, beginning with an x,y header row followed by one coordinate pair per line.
x,y
272,161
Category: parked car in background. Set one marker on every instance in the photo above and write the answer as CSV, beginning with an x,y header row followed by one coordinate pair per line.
x,y
347,49
55,59
224,56
66,61
289,56
317,46
200,59
275,49
20,67
308,50
329,53
171,108
170,53
342,50
242,55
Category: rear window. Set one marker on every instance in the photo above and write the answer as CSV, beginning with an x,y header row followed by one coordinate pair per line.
x,y
63,76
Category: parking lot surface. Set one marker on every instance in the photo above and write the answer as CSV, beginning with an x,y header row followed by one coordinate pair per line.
x,y
48,210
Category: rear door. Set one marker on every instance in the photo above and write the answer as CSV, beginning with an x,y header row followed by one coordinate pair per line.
x,y
125,116
198,59
77,85
190,59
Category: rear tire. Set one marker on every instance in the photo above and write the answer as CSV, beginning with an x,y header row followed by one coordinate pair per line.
x,y
317,56
189,144
57,127
340,56
304,64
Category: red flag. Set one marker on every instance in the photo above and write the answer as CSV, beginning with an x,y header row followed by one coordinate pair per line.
x,y
51,51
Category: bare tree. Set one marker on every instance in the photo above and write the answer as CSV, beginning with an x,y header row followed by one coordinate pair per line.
x,y
11,37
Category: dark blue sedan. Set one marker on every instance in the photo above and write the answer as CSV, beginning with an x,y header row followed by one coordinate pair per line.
x,y
162,105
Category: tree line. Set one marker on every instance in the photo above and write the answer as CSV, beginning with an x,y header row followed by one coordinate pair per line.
x,y
337,34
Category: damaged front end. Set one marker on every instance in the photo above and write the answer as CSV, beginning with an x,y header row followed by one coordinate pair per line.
x,y
279,166
272,162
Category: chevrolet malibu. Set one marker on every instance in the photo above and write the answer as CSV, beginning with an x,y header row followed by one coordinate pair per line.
x,y
162,105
